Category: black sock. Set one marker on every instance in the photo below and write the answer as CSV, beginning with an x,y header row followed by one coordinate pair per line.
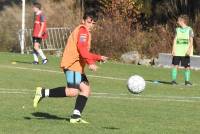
x,y
80,103
57,92
43,92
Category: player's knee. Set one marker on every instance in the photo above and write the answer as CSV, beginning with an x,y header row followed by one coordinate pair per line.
x,y
175,66
75,93
36,46
71,92
85,90
187,68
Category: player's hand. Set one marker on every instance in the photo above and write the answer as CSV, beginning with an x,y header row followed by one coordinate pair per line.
x,y
173,53
93,67
40,35
104,58
187,53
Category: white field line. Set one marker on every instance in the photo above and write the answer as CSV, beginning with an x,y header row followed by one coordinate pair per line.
x,y
14,90
117,96
5,92
146,99
111,94
53,71
94,76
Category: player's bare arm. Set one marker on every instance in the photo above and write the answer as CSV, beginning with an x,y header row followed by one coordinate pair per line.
x,y
190,46
173,47
41,29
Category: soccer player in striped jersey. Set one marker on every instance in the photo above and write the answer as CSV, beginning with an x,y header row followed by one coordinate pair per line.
x,y
76,55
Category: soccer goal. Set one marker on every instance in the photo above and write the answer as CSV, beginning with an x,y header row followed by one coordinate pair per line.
x,y
56,39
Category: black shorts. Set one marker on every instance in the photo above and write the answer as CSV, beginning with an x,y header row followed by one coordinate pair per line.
x,y
184,60
75,78
37,40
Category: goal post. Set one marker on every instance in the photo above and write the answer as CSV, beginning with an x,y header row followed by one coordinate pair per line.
x,y
23,27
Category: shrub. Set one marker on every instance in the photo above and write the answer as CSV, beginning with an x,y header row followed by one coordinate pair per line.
x,y
10,23
114,39
110,38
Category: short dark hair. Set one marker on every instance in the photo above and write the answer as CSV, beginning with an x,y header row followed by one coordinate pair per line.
x,y
90,13
38,5
185,18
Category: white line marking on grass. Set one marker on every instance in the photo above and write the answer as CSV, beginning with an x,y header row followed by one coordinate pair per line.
x,y
22,90
149,96
116,96
104,77
33,69
145,99
113,94
121,94
6,92
94,76
53,71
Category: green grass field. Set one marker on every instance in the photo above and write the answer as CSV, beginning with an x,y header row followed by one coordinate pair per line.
x,y
111,109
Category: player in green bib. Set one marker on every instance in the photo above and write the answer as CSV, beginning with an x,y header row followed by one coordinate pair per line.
x,y
182,49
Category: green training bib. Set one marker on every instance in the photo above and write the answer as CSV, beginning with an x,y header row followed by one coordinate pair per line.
x,y
182,40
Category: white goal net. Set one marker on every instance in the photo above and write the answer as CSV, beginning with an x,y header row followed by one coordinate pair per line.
x,y
56,39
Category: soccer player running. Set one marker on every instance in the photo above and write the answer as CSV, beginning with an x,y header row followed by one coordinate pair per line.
x,y
76,55
182,49
39,33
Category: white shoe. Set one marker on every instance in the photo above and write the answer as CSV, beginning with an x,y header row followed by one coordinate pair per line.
x,y
44,61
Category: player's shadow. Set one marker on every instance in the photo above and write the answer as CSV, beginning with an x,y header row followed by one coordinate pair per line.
x,y
159,81
24,62
43,116
111,128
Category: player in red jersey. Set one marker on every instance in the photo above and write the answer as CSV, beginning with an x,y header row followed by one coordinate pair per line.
x,y
39,33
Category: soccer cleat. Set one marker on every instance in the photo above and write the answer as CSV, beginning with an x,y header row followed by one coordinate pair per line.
x,y
78,120
38,96
174,82
44,61
187,83
35,62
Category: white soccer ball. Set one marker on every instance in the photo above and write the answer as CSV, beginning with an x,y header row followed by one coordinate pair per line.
x,y
136,84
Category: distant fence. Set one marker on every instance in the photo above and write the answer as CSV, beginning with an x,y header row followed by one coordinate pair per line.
x,y
56,39
165,59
